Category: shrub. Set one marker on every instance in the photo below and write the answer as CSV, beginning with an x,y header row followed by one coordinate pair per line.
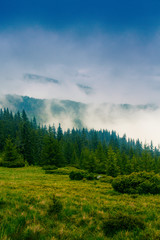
x,y
15,164
63,171
107,179
49,167
1,161
134,183
56,206
30,234
90,176
76,175
121,221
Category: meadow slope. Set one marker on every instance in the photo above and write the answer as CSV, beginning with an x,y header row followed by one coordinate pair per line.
x,y
35,205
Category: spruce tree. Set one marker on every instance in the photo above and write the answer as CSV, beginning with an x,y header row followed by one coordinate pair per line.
x,y
59,133
11,157
112,167
100,159
51,152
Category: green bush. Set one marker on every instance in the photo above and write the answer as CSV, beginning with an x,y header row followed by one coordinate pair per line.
x,y
121,221
89,176
49,167
74,175
63,171
30,234
56,206
106,179
141,183
15,164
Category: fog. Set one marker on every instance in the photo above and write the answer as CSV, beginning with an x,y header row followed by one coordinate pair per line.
x,y
94,69
137,122
120,68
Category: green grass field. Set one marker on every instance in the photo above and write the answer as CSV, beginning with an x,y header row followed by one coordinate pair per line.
x,y
79,210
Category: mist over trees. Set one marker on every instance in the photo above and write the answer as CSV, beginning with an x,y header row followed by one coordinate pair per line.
x,y
96,151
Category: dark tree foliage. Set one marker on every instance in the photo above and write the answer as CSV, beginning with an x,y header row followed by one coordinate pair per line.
x,y
95,151
51,152
11,158
59,133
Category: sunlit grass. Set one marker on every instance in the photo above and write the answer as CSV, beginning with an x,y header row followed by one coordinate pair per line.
x,y
26,195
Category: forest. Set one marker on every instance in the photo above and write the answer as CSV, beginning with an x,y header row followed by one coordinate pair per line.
x,y
103,152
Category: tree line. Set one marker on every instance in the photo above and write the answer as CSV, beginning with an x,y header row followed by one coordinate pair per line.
x,y
96,151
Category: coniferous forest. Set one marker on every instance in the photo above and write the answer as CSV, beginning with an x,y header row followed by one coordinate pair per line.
x,y
103,152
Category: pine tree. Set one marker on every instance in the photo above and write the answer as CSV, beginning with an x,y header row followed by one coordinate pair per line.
x,y
100,159
68,152
59,133
11,157
94,139
51,152
112,168
26,142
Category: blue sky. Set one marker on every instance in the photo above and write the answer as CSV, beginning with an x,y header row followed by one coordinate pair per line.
x,y
113,16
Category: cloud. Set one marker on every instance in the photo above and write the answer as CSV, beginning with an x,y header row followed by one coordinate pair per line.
x,y
137,121
89,65
121,68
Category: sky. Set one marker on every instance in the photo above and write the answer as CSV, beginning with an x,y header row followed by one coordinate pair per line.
x,y
97,51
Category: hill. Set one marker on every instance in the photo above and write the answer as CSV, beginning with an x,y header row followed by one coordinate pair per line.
x,y
74,114
46,111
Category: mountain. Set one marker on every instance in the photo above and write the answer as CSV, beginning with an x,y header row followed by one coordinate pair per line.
x,y
45,110
134,120
37,78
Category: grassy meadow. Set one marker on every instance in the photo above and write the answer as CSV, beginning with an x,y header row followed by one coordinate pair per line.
x,y
35,205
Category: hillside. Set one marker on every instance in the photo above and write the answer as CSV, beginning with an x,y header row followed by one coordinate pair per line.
x,y
80,211
46,111
74,114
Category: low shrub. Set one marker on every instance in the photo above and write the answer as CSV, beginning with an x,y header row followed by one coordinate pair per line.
x,y
32,234
89,176
1,162
49,167
121,221
137,183
56,206
63,171
15,164
106,179
74,175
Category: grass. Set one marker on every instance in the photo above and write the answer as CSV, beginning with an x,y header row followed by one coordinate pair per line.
x,y
35,205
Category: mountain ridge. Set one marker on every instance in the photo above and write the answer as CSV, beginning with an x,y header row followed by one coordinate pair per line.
x,y
77,114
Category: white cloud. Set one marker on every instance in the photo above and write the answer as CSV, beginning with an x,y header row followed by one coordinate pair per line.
x,y
120,68
136,122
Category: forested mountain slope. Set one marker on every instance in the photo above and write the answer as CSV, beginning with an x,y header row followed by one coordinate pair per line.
x,y
96,151
75,114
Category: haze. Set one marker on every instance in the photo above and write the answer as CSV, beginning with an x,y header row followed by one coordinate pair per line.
x,y
97,51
